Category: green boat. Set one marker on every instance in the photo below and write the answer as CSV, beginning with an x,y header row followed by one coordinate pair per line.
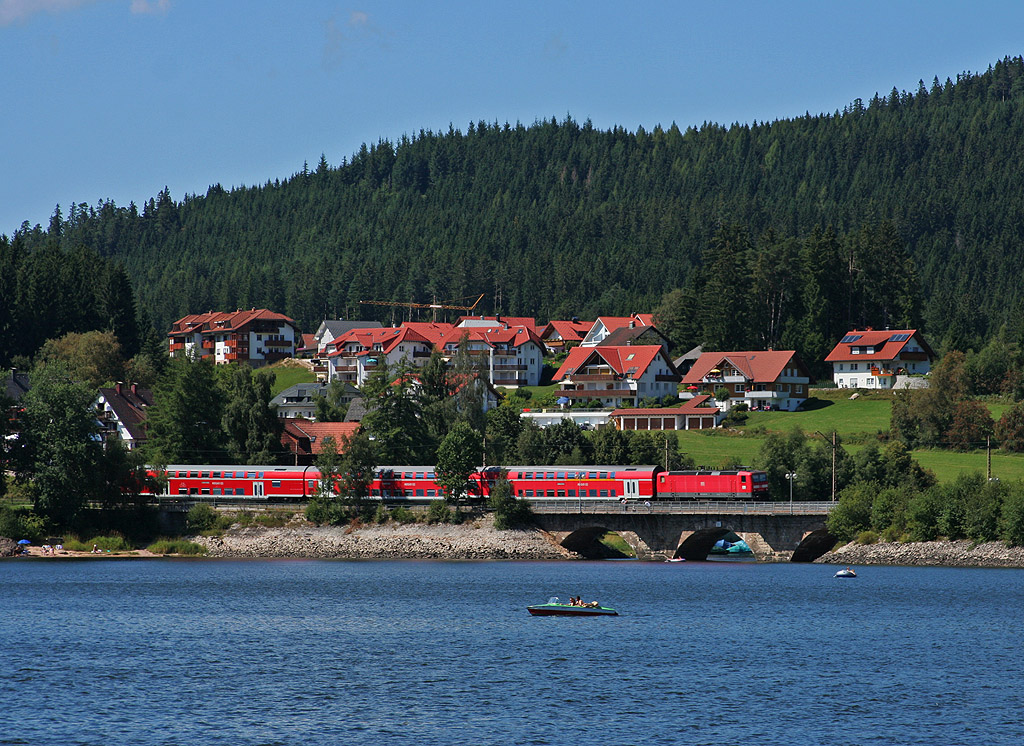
x,y
554,607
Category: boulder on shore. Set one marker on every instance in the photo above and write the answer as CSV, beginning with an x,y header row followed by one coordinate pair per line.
x,y
8,547
927,553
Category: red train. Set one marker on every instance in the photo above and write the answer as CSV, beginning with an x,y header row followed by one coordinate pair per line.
x,y
417,483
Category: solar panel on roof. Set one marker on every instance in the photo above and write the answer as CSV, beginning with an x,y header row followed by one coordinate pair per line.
x,y
899,337
851,338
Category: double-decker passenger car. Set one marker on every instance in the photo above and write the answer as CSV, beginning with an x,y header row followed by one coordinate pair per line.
x,y
583,482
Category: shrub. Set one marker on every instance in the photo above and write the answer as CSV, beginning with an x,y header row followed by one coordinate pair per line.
x,y
403,515
201,518
1011,522
176,546
867,537
324,512
17,523
508,511
438,512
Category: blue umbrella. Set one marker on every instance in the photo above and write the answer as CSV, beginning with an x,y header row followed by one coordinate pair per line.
x,y
562,400
24,541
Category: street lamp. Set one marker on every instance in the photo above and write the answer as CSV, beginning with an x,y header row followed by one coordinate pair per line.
x,y
791,476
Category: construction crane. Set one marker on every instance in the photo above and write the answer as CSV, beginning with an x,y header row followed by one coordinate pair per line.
x,y
432,306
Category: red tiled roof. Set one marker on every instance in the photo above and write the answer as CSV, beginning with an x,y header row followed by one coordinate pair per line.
x,y
620,359
569,331
882,340
224,321
759,366
514,336
310,436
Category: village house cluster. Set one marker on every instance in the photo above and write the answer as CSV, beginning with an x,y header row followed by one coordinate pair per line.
x,y
614,370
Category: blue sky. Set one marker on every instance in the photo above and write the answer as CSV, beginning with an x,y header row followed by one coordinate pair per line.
x,y
119,98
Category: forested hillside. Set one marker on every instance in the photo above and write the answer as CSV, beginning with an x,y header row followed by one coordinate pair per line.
x,y
905,209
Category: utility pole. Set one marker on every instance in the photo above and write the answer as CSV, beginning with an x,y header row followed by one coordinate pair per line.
x,y
834,445
988,449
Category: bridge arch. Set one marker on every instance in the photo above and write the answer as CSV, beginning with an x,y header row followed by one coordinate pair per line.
x,y
771,537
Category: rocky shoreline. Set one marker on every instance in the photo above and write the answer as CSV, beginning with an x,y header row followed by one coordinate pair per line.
x,y
478,540
927,554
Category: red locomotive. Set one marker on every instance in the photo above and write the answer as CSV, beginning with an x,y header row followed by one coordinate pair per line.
x,y
418,483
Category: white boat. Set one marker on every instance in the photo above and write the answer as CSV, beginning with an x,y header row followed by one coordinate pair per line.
x,y
847,573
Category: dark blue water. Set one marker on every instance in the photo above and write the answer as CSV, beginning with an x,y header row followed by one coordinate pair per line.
x,y
302,652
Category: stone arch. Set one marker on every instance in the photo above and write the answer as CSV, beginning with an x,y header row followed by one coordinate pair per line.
x,y
584,542
697,544
813,545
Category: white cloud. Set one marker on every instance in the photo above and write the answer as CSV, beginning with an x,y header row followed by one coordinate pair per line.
x,y
12,11
150,7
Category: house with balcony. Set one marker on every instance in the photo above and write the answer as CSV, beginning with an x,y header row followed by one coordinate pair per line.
x,y
509,358
869,359
256,337
506,357
331,329
605,325
360,352
617,376
121,412
763,379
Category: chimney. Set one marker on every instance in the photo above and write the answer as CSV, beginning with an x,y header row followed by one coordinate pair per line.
x,y
135,389
117,388
632,324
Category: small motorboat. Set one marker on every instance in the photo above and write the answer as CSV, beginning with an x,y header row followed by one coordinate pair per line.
x,y
676,559
555,607
847,573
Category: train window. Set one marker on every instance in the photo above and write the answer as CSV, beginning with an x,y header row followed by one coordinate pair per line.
x,y
528,493
431,493
250,475
239,490
182,491
604,493
408,493
593,493
311,483
419,475
431,475
592,475
603,475
179,474
204,475
527,475
560,475
572,493
275,483
216,475
743,478
218,491
561,493
663,478
375,493
193,474
419,493
206,490
551,493
260,475
611,475
193,491
613,493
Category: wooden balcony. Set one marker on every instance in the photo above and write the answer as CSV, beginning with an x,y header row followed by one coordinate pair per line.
x,y
596,377
176,346
209,344
597,393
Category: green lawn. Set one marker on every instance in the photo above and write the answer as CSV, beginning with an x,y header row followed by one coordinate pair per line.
x,y
865,414
289,376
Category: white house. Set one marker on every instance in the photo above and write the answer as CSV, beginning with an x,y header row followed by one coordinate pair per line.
x,y
870,359
617,376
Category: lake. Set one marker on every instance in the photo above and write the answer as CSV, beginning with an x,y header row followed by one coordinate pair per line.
x,y
335,652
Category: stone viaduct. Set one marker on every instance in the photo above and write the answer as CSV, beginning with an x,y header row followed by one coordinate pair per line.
x,y
775,532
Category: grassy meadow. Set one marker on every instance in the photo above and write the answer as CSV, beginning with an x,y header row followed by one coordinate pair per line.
x,y
855,420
